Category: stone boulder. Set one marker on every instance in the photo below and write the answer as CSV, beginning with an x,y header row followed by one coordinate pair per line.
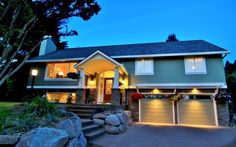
x,y
44,137
100,116
112,129
122,128
72,126
8,140
99,122
77,142
123,119
112,120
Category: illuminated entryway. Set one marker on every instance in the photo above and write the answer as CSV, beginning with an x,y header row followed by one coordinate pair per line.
x,y
103,78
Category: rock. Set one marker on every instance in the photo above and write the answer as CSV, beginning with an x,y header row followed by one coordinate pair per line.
x,y
99,122
112,120
122,128
128,113
82,140
8,140
112,129
71,125
71,114
100,116
44,137
123,119
77,142
61,112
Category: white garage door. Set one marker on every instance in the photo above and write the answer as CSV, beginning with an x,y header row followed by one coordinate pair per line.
x,y
156,111
197,112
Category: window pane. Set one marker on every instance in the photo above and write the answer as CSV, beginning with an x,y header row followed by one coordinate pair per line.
x,y
200,65
60,70
140,66
189,65
148,66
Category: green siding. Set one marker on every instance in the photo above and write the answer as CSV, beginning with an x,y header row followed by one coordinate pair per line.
x,y
167,70
39,80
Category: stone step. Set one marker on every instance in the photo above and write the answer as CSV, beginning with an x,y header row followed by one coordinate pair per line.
x,y
84,115
82,110
86,122
94,135
90,128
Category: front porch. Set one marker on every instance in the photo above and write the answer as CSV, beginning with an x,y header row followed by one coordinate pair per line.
x,y
102,80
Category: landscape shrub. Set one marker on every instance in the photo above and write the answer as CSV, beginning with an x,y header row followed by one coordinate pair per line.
x,y
4,113
41,107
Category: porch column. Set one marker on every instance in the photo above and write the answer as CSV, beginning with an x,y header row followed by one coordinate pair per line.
x,y
115,90
81,92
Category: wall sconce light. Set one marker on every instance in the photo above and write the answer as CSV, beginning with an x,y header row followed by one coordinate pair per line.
x,y
194,91
34,72
156,91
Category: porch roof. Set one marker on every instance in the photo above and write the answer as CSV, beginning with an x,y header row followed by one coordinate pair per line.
x,y
99,62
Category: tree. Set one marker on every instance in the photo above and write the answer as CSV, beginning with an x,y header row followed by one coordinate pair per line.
x,y
23,23
172,38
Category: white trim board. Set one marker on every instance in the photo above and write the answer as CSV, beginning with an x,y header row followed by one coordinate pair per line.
x,y
135,56
215,85
53,87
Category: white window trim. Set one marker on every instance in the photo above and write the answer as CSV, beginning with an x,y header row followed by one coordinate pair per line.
x,y
55,79
194,73
138,73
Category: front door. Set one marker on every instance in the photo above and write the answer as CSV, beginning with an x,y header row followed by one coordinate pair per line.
x,y
108,90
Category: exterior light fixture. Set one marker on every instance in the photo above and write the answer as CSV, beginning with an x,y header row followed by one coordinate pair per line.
x,y
34,73
73,94
195,91
156,91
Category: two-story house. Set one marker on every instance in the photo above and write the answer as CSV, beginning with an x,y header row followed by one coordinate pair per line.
x,y
109,75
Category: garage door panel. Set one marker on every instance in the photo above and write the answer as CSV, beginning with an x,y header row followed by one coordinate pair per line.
x,y
199,112
156,111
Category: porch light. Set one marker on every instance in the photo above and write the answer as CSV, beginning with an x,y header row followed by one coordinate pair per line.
x,y
156,91
73,94
195,91
34,72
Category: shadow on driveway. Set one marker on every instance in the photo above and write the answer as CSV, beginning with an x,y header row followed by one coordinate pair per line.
x,y
170,136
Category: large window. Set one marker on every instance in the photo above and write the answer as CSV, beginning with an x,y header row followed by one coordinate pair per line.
x,y
59,70
195,65
144,67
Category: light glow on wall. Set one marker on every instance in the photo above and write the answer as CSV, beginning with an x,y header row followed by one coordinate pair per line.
x,y
156,91
195,91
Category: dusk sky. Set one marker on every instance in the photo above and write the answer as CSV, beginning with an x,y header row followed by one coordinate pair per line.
x,y
141,21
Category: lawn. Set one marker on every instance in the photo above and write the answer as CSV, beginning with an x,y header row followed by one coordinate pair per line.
x,y
9,104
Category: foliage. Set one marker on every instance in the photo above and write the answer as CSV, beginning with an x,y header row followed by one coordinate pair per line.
x,y
172,38
136,96
23,23
222,97
4,113
176,97
41,107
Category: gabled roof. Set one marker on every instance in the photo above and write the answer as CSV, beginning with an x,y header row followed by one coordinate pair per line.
x,y
181,48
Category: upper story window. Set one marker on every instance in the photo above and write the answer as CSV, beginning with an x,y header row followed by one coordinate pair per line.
x,y
59,70
144,67
195,65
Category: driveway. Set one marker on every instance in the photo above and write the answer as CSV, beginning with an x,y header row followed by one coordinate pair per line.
x,y
170,136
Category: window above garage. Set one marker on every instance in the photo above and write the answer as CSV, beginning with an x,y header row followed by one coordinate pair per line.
x,y
195,65
144,67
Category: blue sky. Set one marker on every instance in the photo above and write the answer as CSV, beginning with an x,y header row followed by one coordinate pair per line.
x,y
141,21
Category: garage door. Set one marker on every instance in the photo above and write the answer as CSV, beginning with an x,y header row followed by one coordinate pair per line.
x,y
156,111
197,112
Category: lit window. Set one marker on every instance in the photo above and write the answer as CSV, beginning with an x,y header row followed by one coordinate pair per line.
x,y
144,67
195,65
59,70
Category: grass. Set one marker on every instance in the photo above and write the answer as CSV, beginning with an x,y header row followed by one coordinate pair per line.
x,y
9,104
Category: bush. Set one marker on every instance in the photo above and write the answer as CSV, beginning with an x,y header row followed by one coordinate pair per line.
x,y
41,107
222,97
136,96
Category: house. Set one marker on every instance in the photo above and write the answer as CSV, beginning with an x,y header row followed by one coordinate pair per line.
x,y
110,74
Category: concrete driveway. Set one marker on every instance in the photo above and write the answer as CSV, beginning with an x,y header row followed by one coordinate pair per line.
x,y
170,136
